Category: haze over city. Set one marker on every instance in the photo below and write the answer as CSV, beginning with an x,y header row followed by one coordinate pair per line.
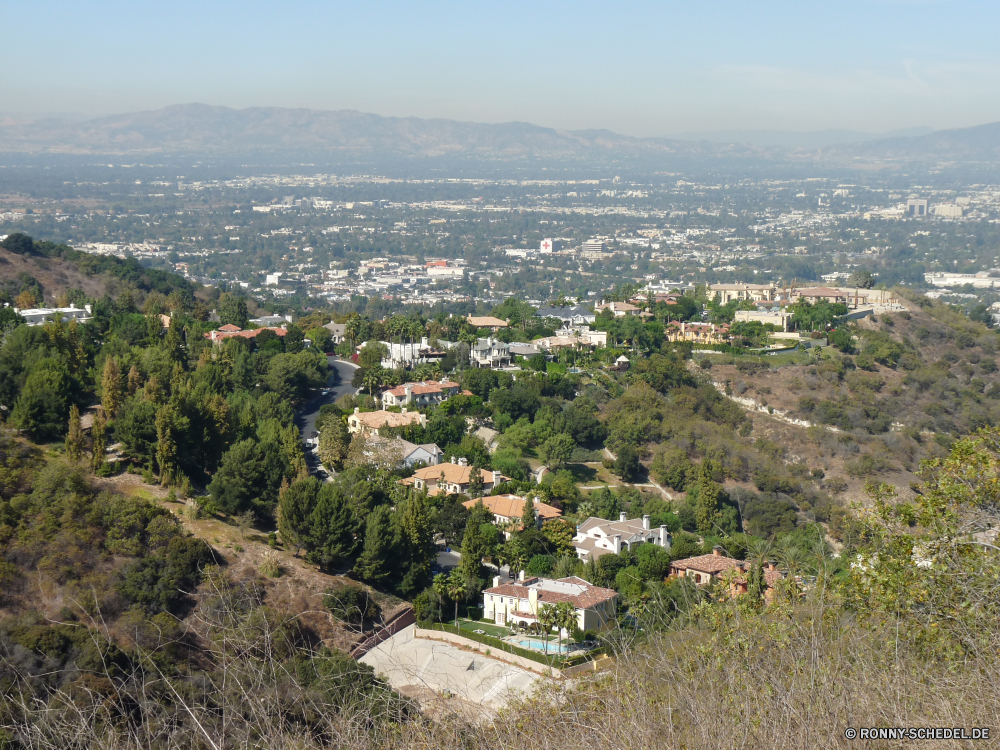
x,y
468,376
641,69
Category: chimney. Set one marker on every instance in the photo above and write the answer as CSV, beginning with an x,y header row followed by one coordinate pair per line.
x,y
357,409
622,517
665,539
618,543
496,581
423,342
407,393
771,565
535,500
717,551
463,461
454,460
497,478
404,410
520,576
533,600
645,523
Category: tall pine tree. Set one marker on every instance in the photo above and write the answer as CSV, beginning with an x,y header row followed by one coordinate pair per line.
x,y
111,387
295,509
74,435
374,564
331,534
98,435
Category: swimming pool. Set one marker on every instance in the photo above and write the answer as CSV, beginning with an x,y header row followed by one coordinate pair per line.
x,y
540,646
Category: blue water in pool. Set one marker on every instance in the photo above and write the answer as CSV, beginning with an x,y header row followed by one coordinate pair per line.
x,y
540,646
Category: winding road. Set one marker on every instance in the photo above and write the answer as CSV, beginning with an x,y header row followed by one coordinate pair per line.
x,y
338,384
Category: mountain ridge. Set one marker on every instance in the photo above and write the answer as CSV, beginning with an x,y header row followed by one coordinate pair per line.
x,y
209,129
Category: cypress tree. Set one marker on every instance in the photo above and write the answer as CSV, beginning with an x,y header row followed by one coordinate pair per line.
x,y
111,387
99,437
74,435
373,565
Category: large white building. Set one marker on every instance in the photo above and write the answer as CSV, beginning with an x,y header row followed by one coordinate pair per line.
x,y
518,603
596,537
36,316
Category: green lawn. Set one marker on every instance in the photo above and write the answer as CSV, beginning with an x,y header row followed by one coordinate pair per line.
x,y
582,473
489,628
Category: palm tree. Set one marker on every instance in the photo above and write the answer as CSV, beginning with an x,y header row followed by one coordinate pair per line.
x,y
565,616
456,589
546,619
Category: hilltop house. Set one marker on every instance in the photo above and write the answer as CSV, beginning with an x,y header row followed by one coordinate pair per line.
x,y
228,331
518,603
487,321
370,422
420,394
753,292
618,309
706,569
596,537
490,353
699,333
509,509
452,478
577,315
36,316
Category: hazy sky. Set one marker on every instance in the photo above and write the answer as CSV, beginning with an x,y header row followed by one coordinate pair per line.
x,y
641,68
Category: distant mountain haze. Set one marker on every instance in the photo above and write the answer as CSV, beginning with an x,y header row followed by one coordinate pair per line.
x,y
797,138
201,128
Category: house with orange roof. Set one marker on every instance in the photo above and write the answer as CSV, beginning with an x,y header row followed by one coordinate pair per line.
x,y
487,321
421,394
370,422
228,331
716,567
452,478
509,510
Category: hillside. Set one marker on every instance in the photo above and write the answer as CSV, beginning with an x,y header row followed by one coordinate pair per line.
x,y
59,275
910,385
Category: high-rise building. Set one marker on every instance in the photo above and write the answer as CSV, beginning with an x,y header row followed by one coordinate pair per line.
x,y
595,246
548,245
916,207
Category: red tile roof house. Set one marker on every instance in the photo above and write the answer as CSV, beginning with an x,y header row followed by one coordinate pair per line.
x,y
452,478
519,602
706,569
420,394
229,330
508,509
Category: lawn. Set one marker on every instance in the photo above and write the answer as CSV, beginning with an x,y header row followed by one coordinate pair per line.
x,y
489,628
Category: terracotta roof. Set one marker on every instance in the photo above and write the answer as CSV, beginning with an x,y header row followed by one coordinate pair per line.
x,y
486,321
592,596
453,474
419,389
707,563
379,419
512,506
228,331
228,327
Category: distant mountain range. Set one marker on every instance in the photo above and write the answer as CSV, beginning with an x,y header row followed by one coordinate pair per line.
x,y
798,139
204,129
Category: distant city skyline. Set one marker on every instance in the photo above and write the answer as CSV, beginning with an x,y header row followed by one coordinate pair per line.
x,y
643,69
